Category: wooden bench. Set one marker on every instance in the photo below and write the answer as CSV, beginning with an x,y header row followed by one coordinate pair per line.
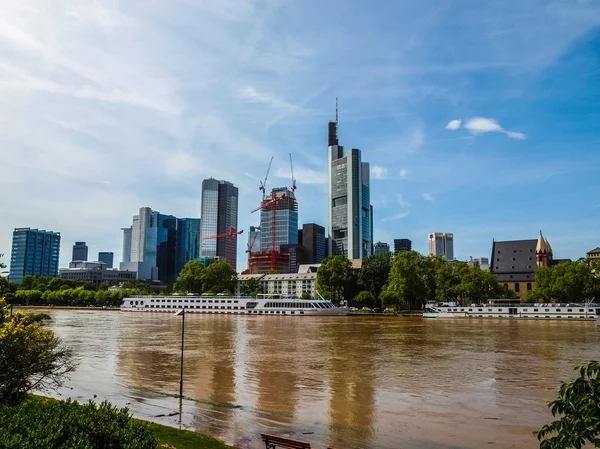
x,y
275,441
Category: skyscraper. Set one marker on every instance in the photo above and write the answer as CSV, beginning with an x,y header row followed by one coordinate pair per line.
x,y
350,212
107,258
381,248
254,239
80,252
313,240
441,244
402,245
219,215
286,211
34,253
188,241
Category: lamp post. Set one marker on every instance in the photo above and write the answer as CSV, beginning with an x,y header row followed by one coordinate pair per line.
x,y
182,313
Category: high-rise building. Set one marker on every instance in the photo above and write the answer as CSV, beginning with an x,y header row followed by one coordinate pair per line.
x,y
107,258
286,211
402,246
80,252
312,237
381,248
482,262
350,212
34,253
152,243
188,241
254,239
441,244
219,215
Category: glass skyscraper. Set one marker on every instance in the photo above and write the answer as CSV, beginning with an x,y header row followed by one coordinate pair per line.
x,y
219,215
107,258
188,241
80,252
350,232
35,253
286,218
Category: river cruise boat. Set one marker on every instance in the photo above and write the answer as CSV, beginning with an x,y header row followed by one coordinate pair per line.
x,y
263,304
587,311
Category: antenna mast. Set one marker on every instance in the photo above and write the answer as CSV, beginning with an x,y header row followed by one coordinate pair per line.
x,y
336,109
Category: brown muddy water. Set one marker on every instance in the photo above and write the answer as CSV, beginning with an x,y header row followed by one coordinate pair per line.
x,y
349,382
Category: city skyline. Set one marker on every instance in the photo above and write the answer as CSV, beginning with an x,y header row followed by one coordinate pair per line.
x,y
466,127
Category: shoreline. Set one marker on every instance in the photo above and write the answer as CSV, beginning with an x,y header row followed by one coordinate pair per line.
x,y
23,307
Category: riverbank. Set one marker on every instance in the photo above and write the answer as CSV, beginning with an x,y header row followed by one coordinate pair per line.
x,y
23,307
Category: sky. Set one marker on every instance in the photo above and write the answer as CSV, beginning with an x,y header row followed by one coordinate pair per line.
x,y
479,118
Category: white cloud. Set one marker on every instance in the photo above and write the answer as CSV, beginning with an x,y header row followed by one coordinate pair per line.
x,y
403,173
252,95
399,216
453,124
481,125
428,197
303,175
402,201
378,172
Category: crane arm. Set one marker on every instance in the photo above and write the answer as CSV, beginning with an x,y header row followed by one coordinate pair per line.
x,y
226,234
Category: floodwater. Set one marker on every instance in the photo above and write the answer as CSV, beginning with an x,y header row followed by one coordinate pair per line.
x,y
349,382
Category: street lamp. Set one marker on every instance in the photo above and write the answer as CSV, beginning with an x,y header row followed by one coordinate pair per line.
x,y
182,313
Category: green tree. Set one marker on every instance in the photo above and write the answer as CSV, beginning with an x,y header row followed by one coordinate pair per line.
x,y
410,278
7,290
305,295
365,298
334,278
2,266
578,402
477,286
566,282
190,278
30,357
447,282
374,273
389,299
251,287
219,277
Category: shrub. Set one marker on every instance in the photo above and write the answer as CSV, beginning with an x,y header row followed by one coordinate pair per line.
x,y
43,423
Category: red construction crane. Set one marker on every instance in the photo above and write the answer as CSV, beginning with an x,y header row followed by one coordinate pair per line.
x,y
272,202
263,184
232,232
249,250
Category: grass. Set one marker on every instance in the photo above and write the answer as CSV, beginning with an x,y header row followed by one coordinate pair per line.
x,y
169,437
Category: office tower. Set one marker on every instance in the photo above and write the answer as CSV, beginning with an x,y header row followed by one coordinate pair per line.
x,y
312,237
381,248
107,258
286,211
219,215
254,239
188,241
80,251
402,245
482,262
297,256
152,246
441,244
34,253
350,212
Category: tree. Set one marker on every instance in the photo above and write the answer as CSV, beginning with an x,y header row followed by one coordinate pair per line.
x,y
365,298
374,273
578,402
30,357
447,281
251,287
219,277
2,266
305,295
477,285
334,278
190,278
7,290
389,299
565,283
410,278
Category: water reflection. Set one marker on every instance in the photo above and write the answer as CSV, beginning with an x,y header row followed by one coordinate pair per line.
x,y
348,382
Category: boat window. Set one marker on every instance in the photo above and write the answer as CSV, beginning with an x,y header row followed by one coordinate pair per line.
x,y
581,310
480,310
558,310
235,302
524,310
163,300
210,301
546,310
499,310
569,310
229,301
489,310
592,310
470,310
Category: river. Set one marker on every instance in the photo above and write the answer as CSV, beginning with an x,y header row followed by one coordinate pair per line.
x,y
349,382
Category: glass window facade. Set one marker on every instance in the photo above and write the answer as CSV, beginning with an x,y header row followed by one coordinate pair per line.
x,y
34,253
286,231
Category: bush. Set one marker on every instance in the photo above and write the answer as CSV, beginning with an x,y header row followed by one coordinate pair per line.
x,y
44,423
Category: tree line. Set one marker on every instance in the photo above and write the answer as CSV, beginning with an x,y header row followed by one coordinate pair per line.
x,y
570,282
409,280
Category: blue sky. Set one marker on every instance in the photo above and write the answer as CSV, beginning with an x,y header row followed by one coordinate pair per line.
x,y
107,106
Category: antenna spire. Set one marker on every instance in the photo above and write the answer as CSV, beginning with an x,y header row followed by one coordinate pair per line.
x,y
336,109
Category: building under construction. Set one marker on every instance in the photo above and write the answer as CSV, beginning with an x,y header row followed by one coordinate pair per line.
x,y
261,262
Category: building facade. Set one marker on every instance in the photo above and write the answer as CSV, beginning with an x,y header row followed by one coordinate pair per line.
x,y
95,272
441,244
254,239
294,284
381,248
80,251
593,254
34,252
107,258
188,242
219,215
286,220
402,245
482,262
312,238
350,231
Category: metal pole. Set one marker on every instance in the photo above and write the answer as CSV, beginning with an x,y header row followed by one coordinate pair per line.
x,y
182,337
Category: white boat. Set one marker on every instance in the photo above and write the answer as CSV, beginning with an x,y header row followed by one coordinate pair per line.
x,y
587,311
263,304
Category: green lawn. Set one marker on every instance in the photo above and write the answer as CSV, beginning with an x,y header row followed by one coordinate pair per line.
x,y
170,437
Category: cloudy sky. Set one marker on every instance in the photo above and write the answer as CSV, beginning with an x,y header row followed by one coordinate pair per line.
x,y
479,118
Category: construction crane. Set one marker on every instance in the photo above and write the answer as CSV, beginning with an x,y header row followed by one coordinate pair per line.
x,y
232,232
293,179
249,250
265,205
263,184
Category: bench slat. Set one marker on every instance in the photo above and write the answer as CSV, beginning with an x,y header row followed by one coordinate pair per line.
x,y
283,442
